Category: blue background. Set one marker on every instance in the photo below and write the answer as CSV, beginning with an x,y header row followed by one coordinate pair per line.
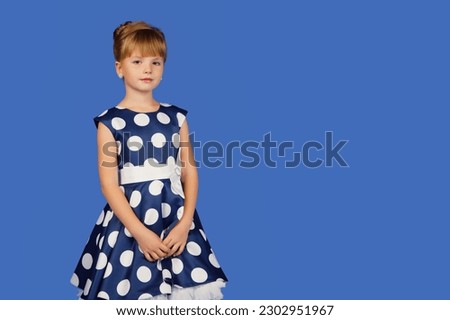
x,y
375,73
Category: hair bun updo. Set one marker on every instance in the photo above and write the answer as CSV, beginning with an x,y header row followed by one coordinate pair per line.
x,y
119,29
141,37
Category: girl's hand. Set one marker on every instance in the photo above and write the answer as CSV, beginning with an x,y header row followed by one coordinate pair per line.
x,y
152,246
177,238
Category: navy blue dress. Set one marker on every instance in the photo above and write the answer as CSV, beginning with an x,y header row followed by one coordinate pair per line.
x,y
112,266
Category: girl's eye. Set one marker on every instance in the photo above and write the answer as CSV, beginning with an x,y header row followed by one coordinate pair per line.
x,y
157,63
136,61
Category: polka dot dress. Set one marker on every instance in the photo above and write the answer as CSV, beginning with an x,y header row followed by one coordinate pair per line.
x,y
112,266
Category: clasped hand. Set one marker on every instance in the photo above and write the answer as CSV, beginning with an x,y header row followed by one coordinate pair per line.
x,y
154,248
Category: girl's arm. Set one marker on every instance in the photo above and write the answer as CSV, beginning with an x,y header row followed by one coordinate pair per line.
x,y
149,242
176,240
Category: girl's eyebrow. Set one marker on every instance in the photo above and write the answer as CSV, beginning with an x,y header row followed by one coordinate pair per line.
x,y
139,57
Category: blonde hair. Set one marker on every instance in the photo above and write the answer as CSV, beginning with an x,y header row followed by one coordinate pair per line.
x,y
140,36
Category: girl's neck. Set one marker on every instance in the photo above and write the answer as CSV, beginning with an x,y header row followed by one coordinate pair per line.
x,y
139,102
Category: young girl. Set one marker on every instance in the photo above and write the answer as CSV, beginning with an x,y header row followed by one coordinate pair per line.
x,y
148,242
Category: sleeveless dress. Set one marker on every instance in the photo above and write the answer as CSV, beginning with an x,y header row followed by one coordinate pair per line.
x,y
112,265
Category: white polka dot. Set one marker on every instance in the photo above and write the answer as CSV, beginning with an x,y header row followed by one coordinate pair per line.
x,y
177,265
144,274
87,261
103,113
108,217
135,198
112,238
166,274
118,123
102,261
75,280
199,275
165,104
158,265
165,209
108,270
170,161
180,212
103,295
163,118
122,189
119,147
100,242
126,258
145,296
213,260
151,216
158,140
120,107
141,119
176,140
202,233
135,143
155,187
97,239
128,164
192,226
165,288
193,248
123,287
180,118
127,233
151,162
87,287
100,218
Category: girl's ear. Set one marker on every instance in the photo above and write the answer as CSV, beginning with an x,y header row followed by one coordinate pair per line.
x,y
119,69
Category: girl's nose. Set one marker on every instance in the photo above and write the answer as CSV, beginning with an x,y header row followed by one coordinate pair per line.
x,y
148,69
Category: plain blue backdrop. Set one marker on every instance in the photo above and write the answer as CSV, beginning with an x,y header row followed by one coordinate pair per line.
x,y
374,73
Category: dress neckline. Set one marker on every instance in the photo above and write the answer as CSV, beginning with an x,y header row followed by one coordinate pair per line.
x,y
134,111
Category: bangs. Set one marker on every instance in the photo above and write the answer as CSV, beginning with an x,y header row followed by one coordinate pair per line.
x,y
146,42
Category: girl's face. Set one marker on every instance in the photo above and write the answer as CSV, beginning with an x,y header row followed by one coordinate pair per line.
x,y
141,74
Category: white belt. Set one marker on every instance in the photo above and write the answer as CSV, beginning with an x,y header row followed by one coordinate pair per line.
x,y
149,172
144,173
